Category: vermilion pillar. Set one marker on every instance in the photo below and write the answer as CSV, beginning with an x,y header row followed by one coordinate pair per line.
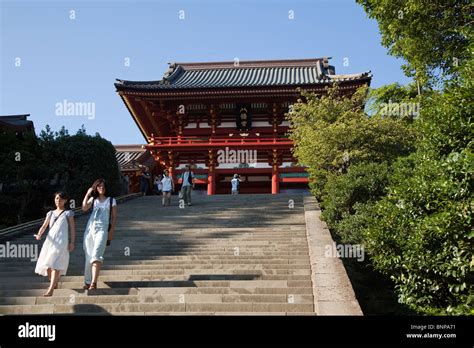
x,y
211,175
275,180
211,182
171,173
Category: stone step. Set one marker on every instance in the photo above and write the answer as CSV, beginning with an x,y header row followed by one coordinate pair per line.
x,y
110,275
136,261
165,272
170,282
5,295
234,265
211,243
178,244
155,307
200,314
242,269
191,237
230,258
207,264
242,251
132,281
215,246
131,269
172,266
280,231
160,298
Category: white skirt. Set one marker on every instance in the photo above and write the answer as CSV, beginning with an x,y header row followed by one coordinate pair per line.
x,y
54,253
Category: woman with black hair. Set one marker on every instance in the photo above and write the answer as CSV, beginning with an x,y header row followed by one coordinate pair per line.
x,y
168,188
99,230
54,257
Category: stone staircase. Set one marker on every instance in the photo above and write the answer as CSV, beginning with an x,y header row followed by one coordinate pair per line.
x,y
228,255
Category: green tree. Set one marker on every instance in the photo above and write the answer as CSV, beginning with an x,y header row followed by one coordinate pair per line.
x,y
348,199
332,131
421,232
380,100
80,159
22,175
32,169
432,36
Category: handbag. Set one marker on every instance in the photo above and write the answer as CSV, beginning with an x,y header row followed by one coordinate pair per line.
x,y
110,214
110,219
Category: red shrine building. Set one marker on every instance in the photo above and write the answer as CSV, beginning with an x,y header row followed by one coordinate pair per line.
x,y
227,118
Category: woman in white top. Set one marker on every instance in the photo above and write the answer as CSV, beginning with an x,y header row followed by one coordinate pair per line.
x,y
99,230
54,257
168,188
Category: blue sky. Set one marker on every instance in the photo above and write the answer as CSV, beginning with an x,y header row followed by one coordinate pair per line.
x,y
48,57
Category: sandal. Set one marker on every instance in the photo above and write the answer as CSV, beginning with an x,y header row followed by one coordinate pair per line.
x,y
93,286
86,286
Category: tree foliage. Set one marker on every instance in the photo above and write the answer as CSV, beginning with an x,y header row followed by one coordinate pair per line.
x,y
33,168
421,232
79,160
332,131
22,173
401,186
348,197
432,36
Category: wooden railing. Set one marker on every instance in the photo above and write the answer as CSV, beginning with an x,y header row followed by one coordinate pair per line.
x,y
176,140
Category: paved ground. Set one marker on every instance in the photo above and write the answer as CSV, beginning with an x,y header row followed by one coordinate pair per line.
x,y
245,254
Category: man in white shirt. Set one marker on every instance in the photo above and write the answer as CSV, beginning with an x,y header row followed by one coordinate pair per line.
x,y
187,185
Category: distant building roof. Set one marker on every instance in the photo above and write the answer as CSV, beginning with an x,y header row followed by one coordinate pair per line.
x,y
129,157
269,73
17,123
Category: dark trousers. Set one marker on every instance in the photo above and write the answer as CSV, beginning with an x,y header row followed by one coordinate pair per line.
x,y
144,187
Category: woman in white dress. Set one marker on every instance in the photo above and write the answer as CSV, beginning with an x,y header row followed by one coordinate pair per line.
x,y
54,256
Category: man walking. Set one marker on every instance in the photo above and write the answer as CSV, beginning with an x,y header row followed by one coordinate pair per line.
x,y
144,180
187,185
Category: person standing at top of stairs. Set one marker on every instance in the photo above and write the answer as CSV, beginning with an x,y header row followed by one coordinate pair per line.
x,y
187,185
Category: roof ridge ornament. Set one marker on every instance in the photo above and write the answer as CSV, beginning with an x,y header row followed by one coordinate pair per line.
x,y
169,72
325,62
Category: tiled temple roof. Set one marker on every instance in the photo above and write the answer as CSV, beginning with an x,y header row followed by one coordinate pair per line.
x,y
129,157
268,73
16,123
